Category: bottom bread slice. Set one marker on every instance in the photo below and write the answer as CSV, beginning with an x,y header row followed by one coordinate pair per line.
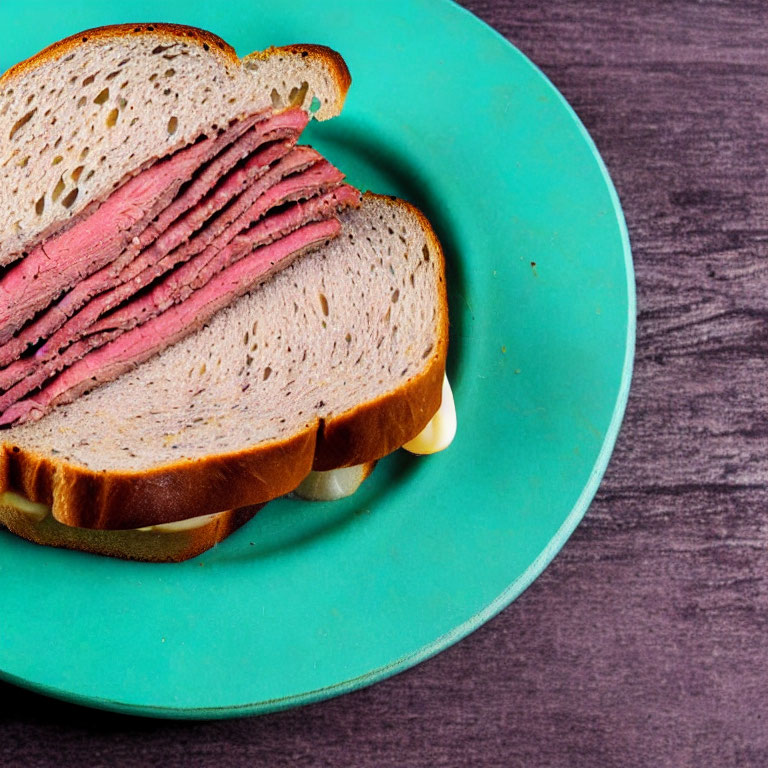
x,y
169,543
337,360
163,546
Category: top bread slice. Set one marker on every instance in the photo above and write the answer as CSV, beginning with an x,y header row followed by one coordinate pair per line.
x,y
337,360
82,116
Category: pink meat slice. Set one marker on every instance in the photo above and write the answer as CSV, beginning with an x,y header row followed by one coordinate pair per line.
x,y
62,260
179,286
152,263
315,180
135,346
124,268
163,259
26,375
300,213
286,125
58,263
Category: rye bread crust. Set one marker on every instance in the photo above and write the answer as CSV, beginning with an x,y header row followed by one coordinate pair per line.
x,y
211,43
145,546
118,500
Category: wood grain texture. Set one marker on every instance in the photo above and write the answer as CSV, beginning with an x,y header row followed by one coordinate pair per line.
x,y
645,643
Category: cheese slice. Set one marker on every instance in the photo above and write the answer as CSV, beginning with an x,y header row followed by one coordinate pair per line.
x,y
440,431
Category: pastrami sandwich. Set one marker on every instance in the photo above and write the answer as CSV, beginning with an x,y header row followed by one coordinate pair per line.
x,y
196,310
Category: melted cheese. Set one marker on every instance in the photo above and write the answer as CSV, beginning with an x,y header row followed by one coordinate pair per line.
x,y
32,509
332,485
440,431
38,512
182,525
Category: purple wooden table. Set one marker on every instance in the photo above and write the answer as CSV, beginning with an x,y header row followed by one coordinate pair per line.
x,y
645,643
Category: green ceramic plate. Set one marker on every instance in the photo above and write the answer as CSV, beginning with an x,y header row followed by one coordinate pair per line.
x,y
311,600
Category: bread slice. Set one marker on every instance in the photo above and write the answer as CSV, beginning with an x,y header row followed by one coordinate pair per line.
x,y
88,112
335,361
154,546
165,543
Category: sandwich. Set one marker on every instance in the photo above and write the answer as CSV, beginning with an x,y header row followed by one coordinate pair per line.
x,y
196,310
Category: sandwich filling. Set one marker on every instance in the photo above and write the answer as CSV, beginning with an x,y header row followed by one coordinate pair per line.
x,y
160,256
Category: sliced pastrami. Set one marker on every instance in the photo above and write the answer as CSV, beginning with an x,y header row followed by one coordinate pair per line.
x,y
161,259
65,258
99,239
286,125
298,214
227,223
38,374
133,347
119,271
27,374
266,231
152,263
315,180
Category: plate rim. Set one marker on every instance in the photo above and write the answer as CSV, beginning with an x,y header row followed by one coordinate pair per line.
x,y
511,592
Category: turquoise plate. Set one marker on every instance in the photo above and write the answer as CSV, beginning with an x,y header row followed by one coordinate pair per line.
x,y
312,600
